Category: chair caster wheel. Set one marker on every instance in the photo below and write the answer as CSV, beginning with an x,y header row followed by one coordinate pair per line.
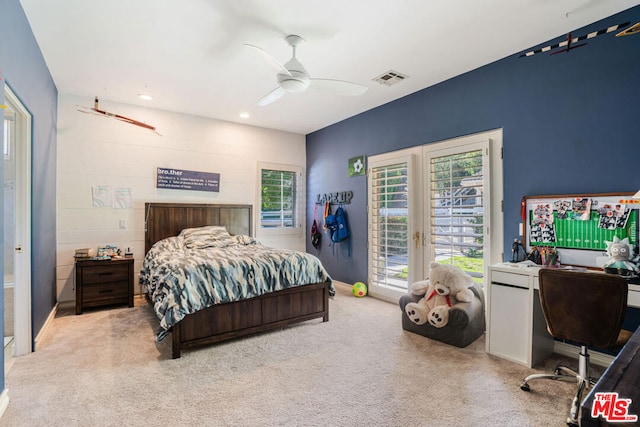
x,y
525,387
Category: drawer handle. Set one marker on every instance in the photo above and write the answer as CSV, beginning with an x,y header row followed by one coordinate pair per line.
x,y
105,291
105,273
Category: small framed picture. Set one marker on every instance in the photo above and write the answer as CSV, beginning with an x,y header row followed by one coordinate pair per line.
x,y
357,166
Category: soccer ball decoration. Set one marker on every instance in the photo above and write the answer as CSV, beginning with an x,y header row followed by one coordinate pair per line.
x,y
359,289
358,166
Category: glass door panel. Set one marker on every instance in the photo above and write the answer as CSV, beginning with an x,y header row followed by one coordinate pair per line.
x,y
455,194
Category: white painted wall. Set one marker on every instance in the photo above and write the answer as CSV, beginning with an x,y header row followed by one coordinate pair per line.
x,y
95,150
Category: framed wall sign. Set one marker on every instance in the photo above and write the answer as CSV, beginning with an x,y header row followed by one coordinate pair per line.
x,y
187,180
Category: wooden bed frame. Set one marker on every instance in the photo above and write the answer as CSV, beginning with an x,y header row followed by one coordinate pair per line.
x,y
231,320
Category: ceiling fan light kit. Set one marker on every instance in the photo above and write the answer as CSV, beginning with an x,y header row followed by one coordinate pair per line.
x,y
293,84
292,77
297,80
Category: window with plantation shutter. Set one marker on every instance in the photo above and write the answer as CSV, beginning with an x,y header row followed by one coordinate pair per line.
x,y
280,197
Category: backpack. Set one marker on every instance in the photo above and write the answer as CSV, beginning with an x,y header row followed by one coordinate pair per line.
x,y
327,212
316,237
340,229
337,226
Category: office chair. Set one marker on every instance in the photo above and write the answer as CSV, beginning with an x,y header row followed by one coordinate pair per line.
x,y
586,309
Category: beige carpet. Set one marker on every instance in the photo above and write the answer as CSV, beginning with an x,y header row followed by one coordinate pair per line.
x,y
103,368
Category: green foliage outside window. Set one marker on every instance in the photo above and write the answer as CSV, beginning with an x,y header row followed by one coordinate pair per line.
x,y
278,191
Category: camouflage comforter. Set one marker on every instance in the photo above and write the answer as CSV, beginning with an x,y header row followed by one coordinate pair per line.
x,y
182,280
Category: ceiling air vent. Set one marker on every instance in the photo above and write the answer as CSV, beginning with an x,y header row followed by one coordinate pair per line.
x,y
390,78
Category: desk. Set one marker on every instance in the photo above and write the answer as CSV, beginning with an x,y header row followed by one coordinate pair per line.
x,y
516,329
623,377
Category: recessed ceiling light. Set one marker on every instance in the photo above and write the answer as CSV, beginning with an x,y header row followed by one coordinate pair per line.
x,y
145,96
244,115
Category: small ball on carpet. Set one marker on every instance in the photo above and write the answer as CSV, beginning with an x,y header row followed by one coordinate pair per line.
x,y
359,289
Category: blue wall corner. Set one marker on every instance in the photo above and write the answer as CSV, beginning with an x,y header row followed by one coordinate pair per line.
x,y
24,69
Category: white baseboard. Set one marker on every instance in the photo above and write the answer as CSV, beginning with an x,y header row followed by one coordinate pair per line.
x,y
391,296
595,357
4,401
45,327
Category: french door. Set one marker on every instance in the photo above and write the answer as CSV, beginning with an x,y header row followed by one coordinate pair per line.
x,y
433,203
456,217
394,238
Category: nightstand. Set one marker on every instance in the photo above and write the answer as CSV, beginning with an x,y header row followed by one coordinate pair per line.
x,y
103,282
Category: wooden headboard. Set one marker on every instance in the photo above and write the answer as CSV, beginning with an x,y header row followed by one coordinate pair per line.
x,y
164,220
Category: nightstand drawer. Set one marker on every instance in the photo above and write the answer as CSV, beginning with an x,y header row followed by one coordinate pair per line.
x,y
103,274
100,282
105,291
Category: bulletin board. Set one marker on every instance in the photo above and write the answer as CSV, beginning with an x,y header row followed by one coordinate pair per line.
x,y
580,225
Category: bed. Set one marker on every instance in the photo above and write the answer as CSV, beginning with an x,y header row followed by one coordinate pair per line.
x,y
224,285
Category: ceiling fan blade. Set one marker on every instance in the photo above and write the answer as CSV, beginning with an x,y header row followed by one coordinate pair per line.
x,y
340,87
272,96
266,55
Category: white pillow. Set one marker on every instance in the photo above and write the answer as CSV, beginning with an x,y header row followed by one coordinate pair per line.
x,y
209,236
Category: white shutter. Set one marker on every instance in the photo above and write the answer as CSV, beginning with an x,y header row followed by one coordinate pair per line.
x,y
457,189
281,198
389,226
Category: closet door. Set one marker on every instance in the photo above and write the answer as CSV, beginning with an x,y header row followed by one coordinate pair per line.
x,y
395,247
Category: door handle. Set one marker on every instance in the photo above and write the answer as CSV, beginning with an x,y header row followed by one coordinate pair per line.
x,y
416,238
18,248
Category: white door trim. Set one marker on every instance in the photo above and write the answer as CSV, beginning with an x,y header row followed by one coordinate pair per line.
x,y
22,267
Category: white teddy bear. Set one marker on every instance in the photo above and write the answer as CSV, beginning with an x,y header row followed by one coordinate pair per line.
x,y
445,286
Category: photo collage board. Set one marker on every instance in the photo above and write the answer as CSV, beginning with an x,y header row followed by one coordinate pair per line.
x,y
581,222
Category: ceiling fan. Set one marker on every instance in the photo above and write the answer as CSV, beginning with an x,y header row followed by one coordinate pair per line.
x,y
292,77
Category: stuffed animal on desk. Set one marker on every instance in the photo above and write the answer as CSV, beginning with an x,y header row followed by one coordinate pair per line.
x,y
620,252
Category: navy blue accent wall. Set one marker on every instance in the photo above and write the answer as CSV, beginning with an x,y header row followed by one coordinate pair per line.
x,y
26,72
571,124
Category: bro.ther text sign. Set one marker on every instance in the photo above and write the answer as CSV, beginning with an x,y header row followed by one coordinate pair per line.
x,y
188,180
